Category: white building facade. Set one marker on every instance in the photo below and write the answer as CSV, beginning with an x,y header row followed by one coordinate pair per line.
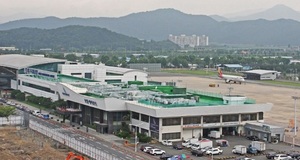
x,y
191,41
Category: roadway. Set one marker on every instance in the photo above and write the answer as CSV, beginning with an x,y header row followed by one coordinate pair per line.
x,y
88,139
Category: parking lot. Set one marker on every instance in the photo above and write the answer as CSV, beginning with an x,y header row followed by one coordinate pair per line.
x,y
227,151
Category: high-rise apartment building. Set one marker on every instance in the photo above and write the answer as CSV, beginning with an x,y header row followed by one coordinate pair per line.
x,y
190,41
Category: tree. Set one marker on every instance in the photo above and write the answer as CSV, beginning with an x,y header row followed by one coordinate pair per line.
x,y
6,111
104,59
88,59
14,93
58,103
20,96
71,57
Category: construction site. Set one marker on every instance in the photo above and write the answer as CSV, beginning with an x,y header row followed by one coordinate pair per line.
x,y
22,144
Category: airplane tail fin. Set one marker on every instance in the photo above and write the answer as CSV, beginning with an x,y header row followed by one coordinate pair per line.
x,y
220,72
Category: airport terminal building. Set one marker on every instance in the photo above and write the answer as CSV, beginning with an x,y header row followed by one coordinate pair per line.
x,y
111,96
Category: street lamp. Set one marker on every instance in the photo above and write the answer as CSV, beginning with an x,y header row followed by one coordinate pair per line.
x,y
135,138
295,119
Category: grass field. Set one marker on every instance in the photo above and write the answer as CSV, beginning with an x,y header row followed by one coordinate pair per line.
x,y
197,72
193,72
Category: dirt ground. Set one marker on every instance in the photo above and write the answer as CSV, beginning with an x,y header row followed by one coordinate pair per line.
x,y
27,145
281,98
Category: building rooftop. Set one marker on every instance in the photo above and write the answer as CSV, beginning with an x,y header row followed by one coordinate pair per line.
x,y
18,61
61,78
150,95
260,71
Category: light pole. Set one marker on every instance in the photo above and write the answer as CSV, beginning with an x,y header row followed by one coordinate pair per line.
x,y
135,138
295,119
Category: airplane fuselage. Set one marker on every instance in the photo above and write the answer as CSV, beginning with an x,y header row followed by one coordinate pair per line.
x,y
231,78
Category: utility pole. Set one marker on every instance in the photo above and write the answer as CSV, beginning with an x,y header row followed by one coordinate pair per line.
x,y
295,119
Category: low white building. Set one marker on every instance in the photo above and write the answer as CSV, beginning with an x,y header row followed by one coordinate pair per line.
x,y
260,74
102,73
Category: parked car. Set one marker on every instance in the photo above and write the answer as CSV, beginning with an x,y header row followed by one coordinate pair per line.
x,y
178,146
294,155
157,151
253,138
147,149
205,148
165,156
214,151
271,155
197,153
281,156
167,143
143,147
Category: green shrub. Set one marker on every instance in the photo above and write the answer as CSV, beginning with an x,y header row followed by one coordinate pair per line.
x,y
123,134
144,138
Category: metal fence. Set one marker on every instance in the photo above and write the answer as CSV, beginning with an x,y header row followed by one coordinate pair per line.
x,y
11,120
71,142
289,139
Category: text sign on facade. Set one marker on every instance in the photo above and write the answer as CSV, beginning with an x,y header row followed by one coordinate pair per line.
x,y
154,124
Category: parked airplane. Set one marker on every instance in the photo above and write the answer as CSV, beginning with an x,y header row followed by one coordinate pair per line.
x,y
230,78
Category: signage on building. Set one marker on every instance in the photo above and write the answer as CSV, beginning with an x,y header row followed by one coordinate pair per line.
x,y
191,126
40,72
230,123
90,102
64,92
211,124
154,124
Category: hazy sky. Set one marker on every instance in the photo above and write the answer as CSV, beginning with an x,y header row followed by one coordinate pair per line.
x,y
117,8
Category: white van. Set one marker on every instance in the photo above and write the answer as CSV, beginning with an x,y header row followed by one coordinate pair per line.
x,y
36,112
188,142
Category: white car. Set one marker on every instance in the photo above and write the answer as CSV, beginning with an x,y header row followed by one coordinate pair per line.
x,y
147,149
157,152
167,143
214,151
281,156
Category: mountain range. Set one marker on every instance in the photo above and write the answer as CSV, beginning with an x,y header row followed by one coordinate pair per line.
x,y
74,38
158,24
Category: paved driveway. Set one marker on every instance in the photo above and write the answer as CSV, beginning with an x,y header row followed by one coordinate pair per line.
x,y
227,151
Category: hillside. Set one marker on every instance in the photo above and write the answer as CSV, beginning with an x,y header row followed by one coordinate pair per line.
x,y
158,24
76,37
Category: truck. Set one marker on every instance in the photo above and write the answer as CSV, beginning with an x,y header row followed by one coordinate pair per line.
x,y
239,149
189,142
260,146
214,134
202,144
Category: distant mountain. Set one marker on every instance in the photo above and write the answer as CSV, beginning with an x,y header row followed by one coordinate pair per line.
x,y
77,37
219,18
158,24
274,13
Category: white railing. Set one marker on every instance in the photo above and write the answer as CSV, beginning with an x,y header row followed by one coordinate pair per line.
x,y
79,146
11,120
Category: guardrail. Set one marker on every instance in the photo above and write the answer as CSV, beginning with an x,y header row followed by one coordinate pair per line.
x,y
11,120
79,146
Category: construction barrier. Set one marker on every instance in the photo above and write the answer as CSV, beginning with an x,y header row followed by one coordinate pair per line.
x,y
79,146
